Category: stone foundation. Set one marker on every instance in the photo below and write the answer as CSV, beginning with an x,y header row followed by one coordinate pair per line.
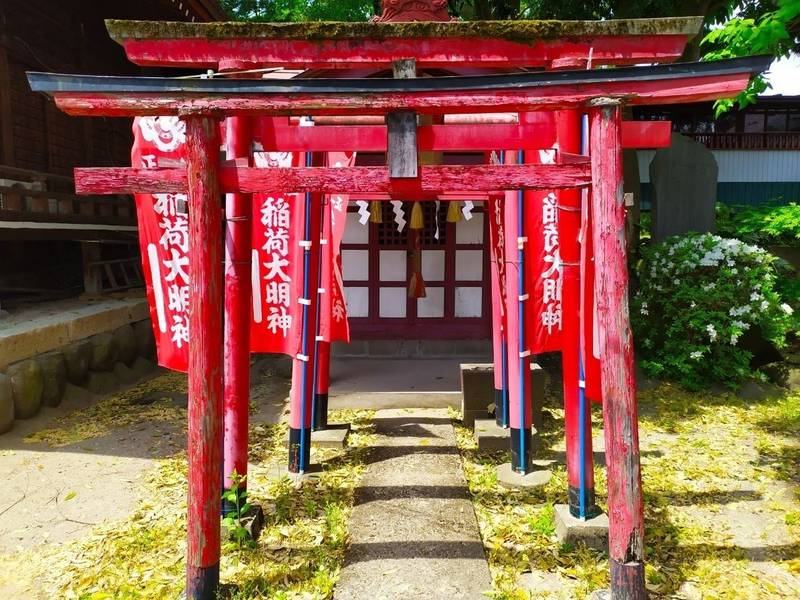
x,y
102,363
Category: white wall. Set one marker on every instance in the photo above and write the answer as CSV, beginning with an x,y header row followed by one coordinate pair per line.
x,y
742,165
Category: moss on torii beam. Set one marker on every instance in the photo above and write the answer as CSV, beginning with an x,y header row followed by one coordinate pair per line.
x,y
516,31
338,45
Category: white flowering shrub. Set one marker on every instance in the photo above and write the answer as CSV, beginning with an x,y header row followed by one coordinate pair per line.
x,y
698,295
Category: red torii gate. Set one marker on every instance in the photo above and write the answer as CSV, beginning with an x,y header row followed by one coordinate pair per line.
x,y
202,103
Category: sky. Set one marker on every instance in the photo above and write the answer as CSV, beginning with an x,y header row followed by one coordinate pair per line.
x,y
784,75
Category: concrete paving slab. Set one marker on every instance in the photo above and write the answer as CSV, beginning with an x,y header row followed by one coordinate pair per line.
x,y
490,436
388,383
509,478
413,531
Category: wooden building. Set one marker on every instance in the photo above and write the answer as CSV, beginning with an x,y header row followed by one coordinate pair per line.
x,y
757,148
48,235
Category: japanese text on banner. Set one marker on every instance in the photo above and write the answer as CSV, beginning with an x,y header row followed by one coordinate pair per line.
x,y
164,239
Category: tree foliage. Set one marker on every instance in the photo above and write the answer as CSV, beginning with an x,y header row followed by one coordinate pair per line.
x,y
761,27
731,27
361,10
278,11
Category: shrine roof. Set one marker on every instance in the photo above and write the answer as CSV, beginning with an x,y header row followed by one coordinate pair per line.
x,y
55,83
659,84
516,31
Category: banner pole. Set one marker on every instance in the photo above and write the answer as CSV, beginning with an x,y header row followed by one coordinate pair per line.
x,y
238,294
319,400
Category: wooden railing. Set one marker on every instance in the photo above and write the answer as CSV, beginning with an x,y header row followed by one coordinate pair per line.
x,y
788,140
44,197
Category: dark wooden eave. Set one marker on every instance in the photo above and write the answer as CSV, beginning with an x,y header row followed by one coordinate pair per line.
x,y
660,84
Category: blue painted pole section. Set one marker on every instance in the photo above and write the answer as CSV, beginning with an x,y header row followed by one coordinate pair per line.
x,y
304,343
504,390
581,376
314,407
581,438
521,316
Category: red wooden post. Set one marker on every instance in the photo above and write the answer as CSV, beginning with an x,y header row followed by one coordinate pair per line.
x,y
204,447
238,235
625,505
568,133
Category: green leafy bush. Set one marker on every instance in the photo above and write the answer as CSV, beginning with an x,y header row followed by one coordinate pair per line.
x,y
765,225
698,295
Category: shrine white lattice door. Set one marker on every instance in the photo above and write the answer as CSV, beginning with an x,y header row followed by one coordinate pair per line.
x,y
378,265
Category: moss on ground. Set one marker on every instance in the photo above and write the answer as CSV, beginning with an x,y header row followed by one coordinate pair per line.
x,y
118,410
710,465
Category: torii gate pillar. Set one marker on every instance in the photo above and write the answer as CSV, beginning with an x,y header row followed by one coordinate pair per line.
x,y
625,504
204,445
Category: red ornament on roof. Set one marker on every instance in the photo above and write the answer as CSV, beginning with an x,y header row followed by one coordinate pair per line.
x,y
413,10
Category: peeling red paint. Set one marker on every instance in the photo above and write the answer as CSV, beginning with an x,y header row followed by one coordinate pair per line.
x,y
689,89
625,503
204,448
432,179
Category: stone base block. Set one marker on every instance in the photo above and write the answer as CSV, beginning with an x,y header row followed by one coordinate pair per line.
x,y
6,404
508,478
124,373
102,382
490,436
77,356
54,377
142,367
314,471
600,595
537,380
477,391
252,521
593,532
27,386
333,437
469,417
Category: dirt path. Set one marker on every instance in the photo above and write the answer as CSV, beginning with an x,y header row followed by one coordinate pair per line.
x,y
81,464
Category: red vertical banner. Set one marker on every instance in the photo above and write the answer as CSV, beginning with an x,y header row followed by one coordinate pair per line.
x,y
495,206
545,269
333,311
497,240
278,220
164,239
